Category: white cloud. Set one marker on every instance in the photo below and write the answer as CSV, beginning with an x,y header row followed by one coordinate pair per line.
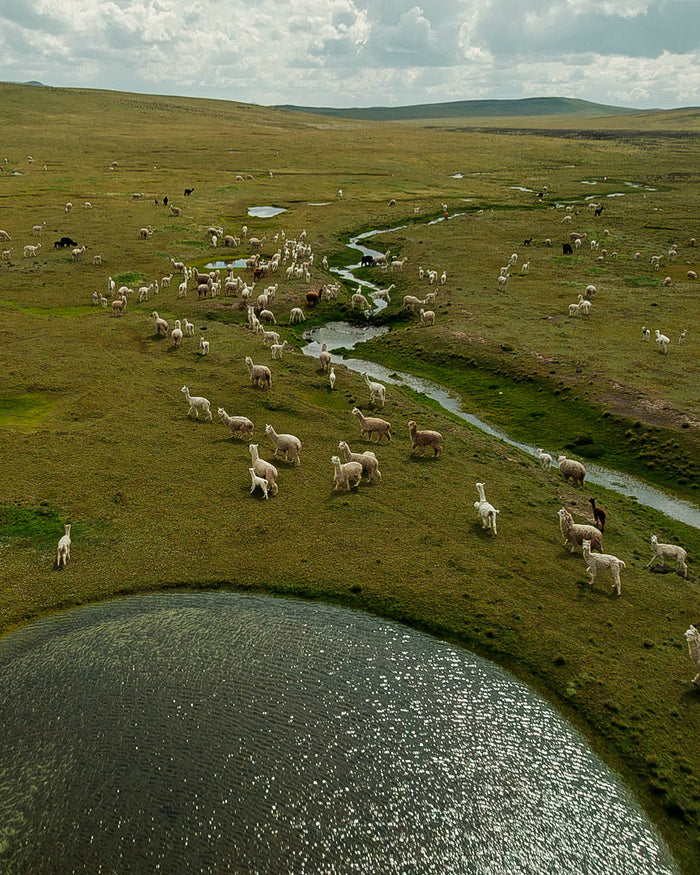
x,y
360,52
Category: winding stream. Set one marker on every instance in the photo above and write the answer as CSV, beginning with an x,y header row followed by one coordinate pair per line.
x,y
342,335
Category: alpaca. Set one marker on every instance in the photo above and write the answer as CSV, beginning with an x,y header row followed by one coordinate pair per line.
x,y
571,469
596,561
671,550
370,424
285,443
63,552
425,438
197,403
257,481
545,458
370,465
377,391
264,469
599,514
575,533
346,474
487,512
692,636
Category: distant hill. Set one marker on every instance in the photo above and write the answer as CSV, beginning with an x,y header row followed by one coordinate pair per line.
x,y
531,106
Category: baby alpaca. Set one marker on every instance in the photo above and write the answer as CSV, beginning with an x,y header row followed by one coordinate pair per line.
x,y
544,458
257,481
63,553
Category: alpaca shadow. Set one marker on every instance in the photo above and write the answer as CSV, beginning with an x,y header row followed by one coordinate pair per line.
x,y
419,458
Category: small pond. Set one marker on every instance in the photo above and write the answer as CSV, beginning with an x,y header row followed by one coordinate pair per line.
x,y
222,732
265,212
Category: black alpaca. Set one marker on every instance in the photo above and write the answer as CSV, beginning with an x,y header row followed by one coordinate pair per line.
x,y
599,514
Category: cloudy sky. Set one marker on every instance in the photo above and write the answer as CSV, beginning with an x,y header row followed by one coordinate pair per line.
x,y
641,53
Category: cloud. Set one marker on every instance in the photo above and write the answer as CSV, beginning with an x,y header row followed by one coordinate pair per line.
x,y
359,52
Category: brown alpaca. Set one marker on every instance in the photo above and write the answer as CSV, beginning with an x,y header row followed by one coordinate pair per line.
x,y
599,514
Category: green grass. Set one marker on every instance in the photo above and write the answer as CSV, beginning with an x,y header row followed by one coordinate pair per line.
x,y
95,433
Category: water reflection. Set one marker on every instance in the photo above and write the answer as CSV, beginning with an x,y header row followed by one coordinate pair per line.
x,y
220,732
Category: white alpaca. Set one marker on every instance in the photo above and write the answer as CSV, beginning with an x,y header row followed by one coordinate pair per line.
x,y
176,334
277,349
285,443
661,551
188,328
487,512
264,469
331,378
369,462
296,315
257,482
161,325
346,474
260,375
203,346
377,391
662,341
597,561
197,403
545,458
324,358
63,552
692,636
239,426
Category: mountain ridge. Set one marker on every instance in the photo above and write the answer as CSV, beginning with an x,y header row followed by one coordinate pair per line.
x,y
529,106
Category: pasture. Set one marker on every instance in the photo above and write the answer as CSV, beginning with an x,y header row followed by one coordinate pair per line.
x,y
94,424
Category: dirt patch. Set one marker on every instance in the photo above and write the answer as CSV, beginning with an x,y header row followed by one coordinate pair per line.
x,y
650,411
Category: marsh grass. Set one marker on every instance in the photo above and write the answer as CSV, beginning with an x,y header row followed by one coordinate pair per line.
x,y
94,427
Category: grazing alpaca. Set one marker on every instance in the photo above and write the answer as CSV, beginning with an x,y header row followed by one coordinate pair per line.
x,y
692,636
63,553
571,469
599,514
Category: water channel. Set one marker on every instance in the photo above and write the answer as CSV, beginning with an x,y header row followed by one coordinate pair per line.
x,y
224,732
343,335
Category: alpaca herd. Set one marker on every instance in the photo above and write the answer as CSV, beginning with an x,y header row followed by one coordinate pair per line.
x,y
350,468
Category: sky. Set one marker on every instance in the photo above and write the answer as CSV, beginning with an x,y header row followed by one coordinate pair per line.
x,y
357,53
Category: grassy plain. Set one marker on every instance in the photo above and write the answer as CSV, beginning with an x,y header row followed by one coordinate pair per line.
x,y
94,429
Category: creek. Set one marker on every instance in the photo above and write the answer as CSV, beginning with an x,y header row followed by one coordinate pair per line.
x,y
343,335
